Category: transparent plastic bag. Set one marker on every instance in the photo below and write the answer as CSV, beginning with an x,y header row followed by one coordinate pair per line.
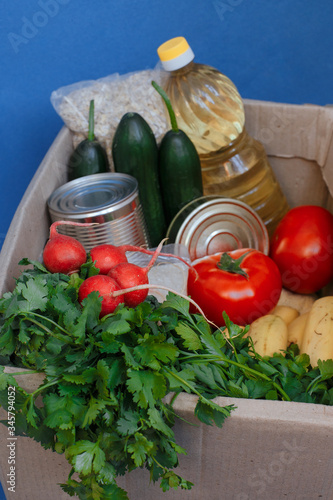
x,y
113,95
169,272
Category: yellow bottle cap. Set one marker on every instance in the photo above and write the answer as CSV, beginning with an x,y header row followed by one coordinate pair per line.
x,y
175,53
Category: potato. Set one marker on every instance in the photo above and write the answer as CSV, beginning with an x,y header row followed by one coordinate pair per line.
x,y
296,329
269,334
318,334
287,313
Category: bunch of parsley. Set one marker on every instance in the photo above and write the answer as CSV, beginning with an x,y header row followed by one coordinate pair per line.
x,y
103,395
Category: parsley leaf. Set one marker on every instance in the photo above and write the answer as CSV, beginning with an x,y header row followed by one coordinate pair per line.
x,y
146,386
86,457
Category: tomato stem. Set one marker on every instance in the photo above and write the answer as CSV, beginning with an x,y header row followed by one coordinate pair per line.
x,y
230,265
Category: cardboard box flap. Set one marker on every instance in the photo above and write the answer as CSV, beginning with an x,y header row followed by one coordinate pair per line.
x,y
291,130
294,131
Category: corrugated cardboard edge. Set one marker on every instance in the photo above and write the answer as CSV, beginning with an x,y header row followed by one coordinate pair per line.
x,y
307,132
249,409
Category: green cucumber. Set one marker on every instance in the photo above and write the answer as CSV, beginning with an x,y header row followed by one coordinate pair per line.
x,y
179,166
89,157
135,152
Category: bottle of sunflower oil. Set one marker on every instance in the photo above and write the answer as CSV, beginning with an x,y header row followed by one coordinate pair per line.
x,y
210,111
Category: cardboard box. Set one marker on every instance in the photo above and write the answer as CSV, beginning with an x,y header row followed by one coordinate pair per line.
x,y
266,449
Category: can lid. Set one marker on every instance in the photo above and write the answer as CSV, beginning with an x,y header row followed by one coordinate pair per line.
x,y
208,226
175,53
93,195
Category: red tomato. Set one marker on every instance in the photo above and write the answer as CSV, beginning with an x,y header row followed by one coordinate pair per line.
x,y
243,297
302,247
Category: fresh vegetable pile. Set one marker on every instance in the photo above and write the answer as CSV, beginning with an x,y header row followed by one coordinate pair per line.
x,y
114,359
102,402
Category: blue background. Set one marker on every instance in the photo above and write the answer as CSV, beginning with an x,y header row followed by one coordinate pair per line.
x,y
276,51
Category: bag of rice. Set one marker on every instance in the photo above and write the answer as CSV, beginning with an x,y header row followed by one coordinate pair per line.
x,y
113,95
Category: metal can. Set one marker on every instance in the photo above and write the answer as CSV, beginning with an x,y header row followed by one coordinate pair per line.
x,y
111,200
213,224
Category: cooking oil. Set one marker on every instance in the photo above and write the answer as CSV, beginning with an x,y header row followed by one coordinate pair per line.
x,y
210,110
210,118
242,171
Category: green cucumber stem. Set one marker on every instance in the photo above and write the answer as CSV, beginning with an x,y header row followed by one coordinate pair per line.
x,y
166,99
91,132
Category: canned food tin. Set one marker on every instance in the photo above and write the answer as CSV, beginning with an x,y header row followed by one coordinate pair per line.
x,y
109,199
212,224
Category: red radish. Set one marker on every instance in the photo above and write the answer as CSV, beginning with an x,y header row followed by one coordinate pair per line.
x,y
129,275
107,256
62,253
105,285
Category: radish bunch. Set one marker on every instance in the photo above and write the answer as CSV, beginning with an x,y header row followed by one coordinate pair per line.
x,y
118,281
115,285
